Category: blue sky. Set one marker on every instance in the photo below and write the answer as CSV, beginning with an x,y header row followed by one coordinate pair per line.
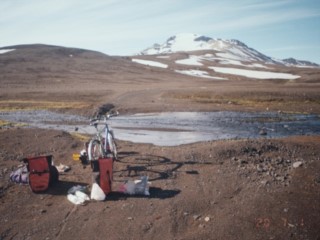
x,y
277,28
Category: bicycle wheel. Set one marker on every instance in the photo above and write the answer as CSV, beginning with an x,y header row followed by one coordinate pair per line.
x,y
113,146
95,150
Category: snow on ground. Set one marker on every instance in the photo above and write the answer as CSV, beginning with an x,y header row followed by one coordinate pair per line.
x,y
163,56
150,63
192,60
254,74
198,73
2,51
196,60
238,63
229,56
231,62
258,65
186,42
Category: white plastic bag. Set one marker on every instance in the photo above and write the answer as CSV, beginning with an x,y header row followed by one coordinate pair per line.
x,y
137,186
78,197
97,193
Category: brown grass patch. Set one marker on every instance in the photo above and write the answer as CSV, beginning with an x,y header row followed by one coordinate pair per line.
x,y
13,105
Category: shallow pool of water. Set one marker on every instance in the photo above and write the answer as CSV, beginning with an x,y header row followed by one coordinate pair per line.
x,y
175,128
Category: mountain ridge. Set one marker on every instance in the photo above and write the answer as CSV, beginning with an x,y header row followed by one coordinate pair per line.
x,y
235,49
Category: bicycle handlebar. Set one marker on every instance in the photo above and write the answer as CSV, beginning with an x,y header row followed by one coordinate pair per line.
x,y
105,117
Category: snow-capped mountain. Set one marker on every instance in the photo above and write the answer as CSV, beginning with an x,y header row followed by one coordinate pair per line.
x,y
230,49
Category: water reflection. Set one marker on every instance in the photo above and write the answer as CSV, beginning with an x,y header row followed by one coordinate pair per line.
x,y
175,128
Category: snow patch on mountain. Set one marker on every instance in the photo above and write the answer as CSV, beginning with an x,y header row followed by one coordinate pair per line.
x,y
199,73
2,51
150,63
197,61
192,60
254,74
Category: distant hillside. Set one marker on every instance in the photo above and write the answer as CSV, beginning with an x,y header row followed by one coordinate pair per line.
x,y
47,58
46,66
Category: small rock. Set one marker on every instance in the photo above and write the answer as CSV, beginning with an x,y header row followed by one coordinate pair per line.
x,y
196,217
279,160
43,211
297,164
202,226
291,225
280,179
207,219
259,168
263,132
243,162
213,202
130,218
185,214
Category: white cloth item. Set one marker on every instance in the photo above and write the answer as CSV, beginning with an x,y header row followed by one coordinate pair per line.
x,y
97,193
78,198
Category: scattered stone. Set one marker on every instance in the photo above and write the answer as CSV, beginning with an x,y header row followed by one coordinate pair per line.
x,y
297,164
202,225
147,227
263,132
43,211
185,214
243,161
291,225
279,160
213,202
260,168
207,219
280,179
196,217
130,218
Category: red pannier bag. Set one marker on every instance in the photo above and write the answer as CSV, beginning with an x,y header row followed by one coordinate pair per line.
x,y
42,173
106,174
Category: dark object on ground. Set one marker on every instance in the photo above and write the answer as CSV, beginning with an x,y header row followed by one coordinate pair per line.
x,y
105,108
42,173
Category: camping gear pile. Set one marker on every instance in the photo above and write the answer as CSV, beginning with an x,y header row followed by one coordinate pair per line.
x,y
41,174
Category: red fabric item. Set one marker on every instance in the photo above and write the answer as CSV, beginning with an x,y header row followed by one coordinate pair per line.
x,y
39,173
106,171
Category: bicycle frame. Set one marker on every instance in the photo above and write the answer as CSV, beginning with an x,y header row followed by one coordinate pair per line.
x,y
105,137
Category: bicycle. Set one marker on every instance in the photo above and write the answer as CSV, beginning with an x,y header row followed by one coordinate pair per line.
x,y
103,144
